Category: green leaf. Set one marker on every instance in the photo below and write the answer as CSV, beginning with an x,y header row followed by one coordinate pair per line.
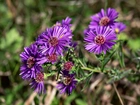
x,y
87,79
13,40
123,36
121,55
118,75
80,102
55,101
70,99
9,99
106,59
134,44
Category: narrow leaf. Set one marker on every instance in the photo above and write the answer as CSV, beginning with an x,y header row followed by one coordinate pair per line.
x,y
106,60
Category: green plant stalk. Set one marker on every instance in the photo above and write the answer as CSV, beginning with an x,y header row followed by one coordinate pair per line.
x,y
79,80
106,60
90,69
106,4
48,75
86,68
121,55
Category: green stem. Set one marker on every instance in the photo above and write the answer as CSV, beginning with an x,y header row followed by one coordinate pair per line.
x,y
90,69
48,75
79,80
106,3
81,63
86,68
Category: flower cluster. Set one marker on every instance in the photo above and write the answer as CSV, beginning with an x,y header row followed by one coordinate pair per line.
x,y
100,36
54,46
30,69
47,49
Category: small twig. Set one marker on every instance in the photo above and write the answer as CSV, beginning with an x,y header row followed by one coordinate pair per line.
x,y
30,99
50,82
50,95
5,73
118,94
132,99
96,82
12,8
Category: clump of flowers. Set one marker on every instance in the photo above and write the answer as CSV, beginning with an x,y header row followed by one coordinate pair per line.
x,y
55,47
49,48
100,36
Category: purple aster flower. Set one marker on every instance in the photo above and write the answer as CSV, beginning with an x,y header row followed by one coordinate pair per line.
x,y
118,27
101,40
65,23
86,31
48,58
54,40
29,66
67,82
38,83
104,18
73,44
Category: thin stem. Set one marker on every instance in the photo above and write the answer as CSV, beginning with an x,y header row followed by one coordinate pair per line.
x,y
49,74
90,69
79,80
118,94
81,63
86,68
106,3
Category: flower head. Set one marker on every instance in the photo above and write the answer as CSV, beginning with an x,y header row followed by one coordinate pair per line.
x,y
104,18
38,83
67,82
118,27
54,40
100,40
30,66
68,65
48,58
86,31
73,44
65,23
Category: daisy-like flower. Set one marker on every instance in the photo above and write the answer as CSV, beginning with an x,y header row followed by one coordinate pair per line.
x,y
54,40
38,83
48,58
65,23
73,44
86,31
100,40
118,27
104,18
30,66
67,82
